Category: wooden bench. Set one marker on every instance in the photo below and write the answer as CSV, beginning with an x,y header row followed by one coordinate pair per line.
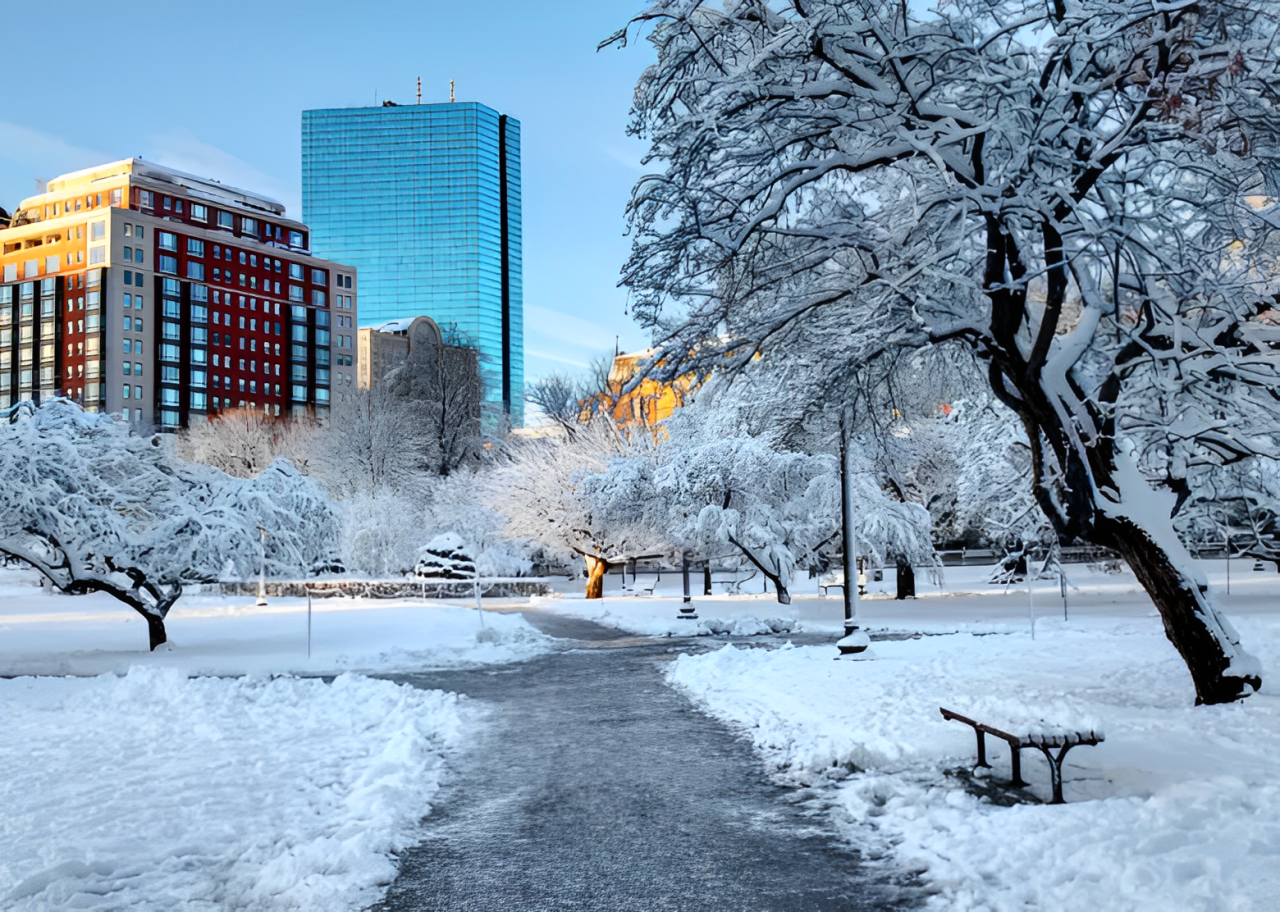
x,y
1062,741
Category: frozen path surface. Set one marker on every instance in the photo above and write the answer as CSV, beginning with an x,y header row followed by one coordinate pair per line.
x,y
596,786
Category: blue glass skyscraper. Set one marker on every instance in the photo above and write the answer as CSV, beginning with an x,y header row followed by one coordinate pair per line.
x,y
424,200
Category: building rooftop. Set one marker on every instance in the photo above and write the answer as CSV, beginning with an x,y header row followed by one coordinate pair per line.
x,y
201,188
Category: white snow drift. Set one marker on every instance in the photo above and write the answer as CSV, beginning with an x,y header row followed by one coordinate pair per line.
x,y
153,791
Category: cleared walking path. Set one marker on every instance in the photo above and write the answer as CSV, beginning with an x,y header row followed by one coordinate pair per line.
x,y
594,786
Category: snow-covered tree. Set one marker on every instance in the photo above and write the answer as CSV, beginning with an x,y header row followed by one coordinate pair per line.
x,y
1073,189
538,487
243,442
710,493
97,509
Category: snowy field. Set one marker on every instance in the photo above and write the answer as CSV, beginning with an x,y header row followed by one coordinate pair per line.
x,y
229,635
156,787
1178,809
155,791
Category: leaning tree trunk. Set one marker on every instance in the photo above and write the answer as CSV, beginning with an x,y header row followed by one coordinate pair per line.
x,y
1220,669
784,597
155,629
596,567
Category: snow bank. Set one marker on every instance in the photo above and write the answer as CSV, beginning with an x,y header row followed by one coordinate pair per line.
x,y
154,791
1177,809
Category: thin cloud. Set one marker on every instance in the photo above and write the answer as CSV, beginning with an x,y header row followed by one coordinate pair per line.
x,y
184,151
556,324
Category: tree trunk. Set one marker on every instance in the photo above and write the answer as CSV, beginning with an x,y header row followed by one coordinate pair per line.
x,y
155,630
595,576
706,579
906,579
784,597
1220,669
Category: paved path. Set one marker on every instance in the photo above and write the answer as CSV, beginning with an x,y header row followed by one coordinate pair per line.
x,y
594,786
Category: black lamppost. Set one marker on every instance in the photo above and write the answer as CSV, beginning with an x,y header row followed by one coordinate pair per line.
x,y
687,611
854,641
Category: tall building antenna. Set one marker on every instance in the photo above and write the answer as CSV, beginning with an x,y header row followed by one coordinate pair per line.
x,y
450,91
419,90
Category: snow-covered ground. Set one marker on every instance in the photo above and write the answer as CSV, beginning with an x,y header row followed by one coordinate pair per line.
x,y
155,791
960,600
1178,809
151,787
229,635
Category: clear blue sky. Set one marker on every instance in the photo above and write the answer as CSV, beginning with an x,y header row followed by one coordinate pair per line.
x,y
217,89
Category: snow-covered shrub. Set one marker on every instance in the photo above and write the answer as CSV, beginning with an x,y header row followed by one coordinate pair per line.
x,y
445,557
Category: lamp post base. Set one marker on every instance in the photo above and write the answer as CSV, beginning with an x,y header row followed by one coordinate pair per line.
x,y
855,642
688,612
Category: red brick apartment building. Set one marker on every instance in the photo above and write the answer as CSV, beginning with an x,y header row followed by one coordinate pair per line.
x,y
138,290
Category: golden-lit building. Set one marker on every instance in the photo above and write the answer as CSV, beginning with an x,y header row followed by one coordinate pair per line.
x,y
648,402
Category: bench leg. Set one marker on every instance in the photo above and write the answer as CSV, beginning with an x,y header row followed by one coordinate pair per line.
x,y
1055,771
1015,761
982,749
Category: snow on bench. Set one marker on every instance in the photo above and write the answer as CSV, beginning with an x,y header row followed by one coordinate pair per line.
x,y
1021,727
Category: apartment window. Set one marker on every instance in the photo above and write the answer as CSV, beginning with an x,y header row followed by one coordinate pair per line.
x,y
253,260
137,365
322,318
298,353
322,337
169,374
199,356
169,417
128,324
128,254
177,206
195,247
128,301
127,390
277,287
225,220
140,232
322,377
253,386
198,378
171,309
195,271
128,349
169,397
299,333
200,335
169,264
299,394
117,197
97,230
249,226
317,297
137,279
171,330
97,255
169,352
137,325
242,384
168,202
168,241
138,256
253,326
295,293
253,282
199,213
295,239
241,280
200,293
199,313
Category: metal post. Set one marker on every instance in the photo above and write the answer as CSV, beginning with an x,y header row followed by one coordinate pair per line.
x,y
262,566
308,623
1031,599
854,641
479,609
